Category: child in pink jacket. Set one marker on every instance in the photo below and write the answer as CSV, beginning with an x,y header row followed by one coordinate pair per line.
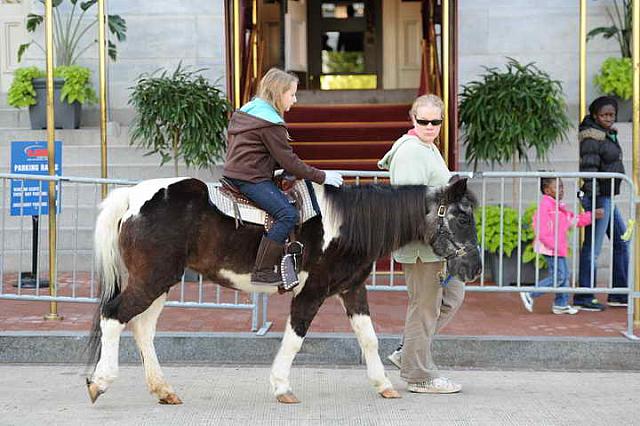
x,y
551,241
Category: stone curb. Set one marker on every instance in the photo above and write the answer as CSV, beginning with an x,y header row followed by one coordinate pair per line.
x,y
547,353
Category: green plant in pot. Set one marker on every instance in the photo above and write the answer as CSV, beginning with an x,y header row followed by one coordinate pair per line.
x,y
501,226
180,115
72,37
507,113
72,87
615,77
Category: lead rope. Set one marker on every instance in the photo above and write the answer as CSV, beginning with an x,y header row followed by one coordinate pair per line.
x,y
443,277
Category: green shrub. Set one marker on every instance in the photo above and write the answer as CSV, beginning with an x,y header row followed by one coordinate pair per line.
x,y
77,85
504,114
510,224
21,93
180,115
616,77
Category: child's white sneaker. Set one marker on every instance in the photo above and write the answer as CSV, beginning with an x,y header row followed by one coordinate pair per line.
x,y
527,301
559,310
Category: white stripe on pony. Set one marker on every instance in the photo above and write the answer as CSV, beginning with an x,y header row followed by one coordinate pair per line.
x,y
144,330
144,191
106,240
107,369
363,328
281,368
330,223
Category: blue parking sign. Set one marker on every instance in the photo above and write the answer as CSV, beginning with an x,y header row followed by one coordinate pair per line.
x,y
30,197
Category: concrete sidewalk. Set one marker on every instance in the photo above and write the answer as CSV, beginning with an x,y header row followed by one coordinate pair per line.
x,y
240,395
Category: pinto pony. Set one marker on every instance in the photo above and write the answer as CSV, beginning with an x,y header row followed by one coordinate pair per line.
x,y
147,234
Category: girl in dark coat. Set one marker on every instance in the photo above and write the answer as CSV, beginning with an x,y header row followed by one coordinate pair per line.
x,y
600,151
259,144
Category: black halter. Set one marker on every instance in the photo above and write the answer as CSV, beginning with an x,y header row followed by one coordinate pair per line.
x,y
459,251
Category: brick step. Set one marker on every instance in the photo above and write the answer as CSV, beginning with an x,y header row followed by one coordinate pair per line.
x,y
366,164
348,112
348,131
340,150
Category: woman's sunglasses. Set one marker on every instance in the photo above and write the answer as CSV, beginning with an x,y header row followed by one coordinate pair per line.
x,y
421,122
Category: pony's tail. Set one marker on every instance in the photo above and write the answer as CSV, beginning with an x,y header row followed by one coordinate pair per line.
x,y
108,261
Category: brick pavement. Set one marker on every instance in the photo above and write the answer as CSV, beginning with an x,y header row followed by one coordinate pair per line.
x,y
481,314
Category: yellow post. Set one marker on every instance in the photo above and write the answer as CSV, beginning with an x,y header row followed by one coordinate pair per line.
x,y
582,78
583,61
445,78
636,146
102,65
236,54
51,137
254,47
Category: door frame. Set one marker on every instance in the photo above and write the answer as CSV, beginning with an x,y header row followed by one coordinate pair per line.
x,y
314,38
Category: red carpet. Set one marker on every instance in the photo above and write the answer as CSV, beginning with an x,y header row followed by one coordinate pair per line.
x,y
351,137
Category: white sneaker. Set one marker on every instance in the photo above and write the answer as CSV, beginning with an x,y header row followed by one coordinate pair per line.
x,y
435,385
396,358
527,301
559,310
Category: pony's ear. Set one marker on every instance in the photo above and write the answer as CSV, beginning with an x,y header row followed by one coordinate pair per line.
x,y
456,190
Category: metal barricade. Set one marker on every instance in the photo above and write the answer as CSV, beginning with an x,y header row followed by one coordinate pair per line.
x,y
23,247
80,197
502,273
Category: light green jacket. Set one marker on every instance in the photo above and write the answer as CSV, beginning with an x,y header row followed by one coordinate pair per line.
x,y
412,162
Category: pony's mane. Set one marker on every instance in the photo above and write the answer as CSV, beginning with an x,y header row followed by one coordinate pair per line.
x,y
376,218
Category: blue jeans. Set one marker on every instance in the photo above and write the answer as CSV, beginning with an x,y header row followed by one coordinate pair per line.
x,y
561,277
268,197
620,247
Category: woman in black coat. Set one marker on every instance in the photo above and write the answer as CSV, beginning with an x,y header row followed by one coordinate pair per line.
x,y
600,151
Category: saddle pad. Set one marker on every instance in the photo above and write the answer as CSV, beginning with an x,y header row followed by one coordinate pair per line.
x,y
252,214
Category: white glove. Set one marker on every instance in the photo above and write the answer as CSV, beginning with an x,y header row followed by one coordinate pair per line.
x,y
331,177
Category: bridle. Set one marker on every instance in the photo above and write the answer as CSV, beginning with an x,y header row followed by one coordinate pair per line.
x,y
459,251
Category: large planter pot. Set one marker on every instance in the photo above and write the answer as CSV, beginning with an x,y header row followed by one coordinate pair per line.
x,y
67,116
509,269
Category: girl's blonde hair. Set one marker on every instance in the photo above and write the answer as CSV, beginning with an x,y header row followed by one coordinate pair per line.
x,y
273,85
426,100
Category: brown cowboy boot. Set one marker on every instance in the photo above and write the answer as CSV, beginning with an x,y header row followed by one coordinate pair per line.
x,y
267,268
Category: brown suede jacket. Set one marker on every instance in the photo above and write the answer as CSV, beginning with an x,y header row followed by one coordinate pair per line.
x,y
257,147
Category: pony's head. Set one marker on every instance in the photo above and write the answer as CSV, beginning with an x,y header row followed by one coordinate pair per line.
x,y
454,230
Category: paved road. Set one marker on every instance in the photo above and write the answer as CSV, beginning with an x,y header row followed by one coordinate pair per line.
x,y
233,395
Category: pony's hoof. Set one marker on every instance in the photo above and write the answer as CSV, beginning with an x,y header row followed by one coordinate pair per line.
x,y
94,391
390,393
171,399
288,398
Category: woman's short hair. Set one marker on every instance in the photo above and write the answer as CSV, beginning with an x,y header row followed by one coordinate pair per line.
x,y
273,85
426,100
602,101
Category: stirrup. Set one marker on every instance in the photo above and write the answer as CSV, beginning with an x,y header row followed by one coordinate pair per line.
x,y
288,272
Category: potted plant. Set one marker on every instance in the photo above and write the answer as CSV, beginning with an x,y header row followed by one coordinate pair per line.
x,y
493,216
71,40
72,87
180,116
507,113
615,77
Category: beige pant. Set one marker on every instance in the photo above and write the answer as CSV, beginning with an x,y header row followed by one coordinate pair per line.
x,y
431,307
